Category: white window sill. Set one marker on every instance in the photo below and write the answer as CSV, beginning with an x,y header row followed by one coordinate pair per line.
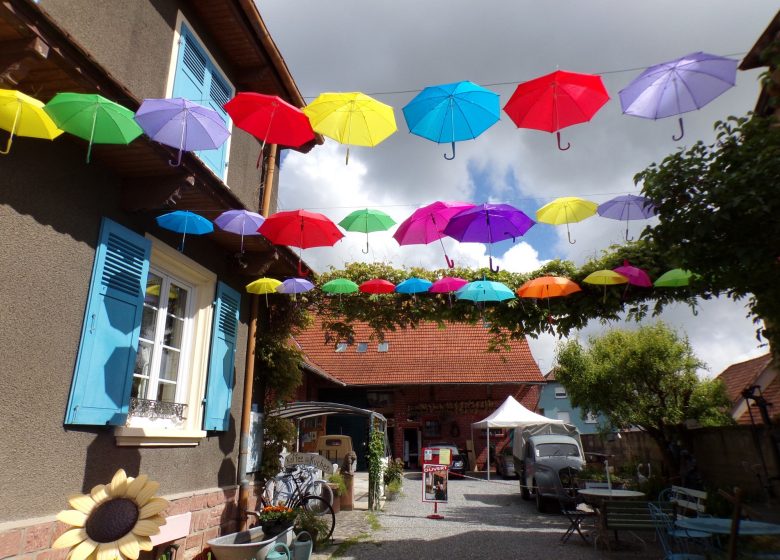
x,y
157,437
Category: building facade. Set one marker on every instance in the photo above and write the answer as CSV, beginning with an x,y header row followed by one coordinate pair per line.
x,y
554,403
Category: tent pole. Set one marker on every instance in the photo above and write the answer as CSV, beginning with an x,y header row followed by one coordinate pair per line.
x,y
488,451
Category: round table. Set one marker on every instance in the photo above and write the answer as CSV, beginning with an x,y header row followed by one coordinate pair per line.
x,y
606,493
722,525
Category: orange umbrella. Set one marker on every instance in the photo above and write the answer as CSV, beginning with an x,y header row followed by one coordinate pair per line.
x,y
547,287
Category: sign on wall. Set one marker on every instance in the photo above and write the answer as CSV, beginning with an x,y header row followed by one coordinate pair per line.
x,y
311,459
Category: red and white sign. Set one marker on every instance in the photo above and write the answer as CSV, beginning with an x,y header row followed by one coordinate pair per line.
x,y
434,483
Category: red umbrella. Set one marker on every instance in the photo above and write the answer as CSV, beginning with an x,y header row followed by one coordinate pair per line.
x,y
377,286
555,101
302,229
271,119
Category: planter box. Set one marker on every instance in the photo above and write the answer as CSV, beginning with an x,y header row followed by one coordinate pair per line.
x,y
247,545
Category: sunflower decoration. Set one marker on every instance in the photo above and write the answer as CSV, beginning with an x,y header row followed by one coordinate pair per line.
x,y
114,520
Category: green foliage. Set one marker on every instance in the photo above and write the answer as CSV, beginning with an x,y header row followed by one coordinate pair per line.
x,y
338,480
376,451
394,471
394,486
316,525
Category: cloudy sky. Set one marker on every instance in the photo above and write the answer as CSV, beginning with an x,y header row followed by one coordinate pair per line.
x,y
391,50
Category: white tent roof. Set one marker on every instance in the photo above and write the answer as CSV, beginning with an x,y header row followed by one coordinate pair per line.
x,y
512,414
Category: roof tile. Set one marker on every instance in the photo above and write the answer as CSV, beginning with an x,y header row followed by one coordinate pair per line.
x,y
739,376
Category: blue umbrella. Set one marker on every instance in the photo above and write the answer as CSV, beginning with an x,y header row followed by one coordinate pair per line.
x,y
452,112
413,286
294,286
485,290
184,222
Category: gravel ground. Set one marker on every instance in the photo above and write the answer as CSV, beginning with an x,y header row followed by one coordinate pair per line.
x,y
482,520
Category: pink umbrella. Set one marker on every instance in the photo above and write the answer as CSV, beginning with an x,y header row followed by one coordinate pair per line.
x,y
447,284
636,276
426,225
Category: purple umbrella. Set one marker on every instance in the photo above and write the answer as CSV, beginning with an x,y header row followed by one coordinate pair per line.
x,y
426,225
294,286
678,86
488,223
240,222
182,124
635,275
627,207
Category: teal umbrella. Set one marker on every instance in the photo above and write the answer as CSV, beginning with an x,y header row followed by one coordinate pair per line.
x,y
366,221
485,290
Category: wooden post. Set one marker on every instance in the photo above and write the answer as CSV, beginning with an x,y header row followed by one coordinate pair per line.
x,y
268,185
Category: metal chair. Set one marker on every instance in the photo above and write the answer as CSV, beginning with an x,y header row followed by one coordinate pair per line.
x,y
670,537
576,511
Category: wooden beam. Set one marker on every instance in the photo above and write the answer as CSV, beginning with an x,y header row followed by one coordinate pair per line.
x,y
154,193
19,57
253,264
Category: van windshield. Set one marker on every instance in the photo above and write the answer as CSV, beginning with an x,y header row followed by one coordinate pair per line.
x,y
557,450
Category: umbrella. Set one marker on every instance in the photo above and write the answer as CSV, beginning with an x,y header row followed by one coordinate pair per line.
x,y
426,225
485,290
447,284
488,223
295,286
452,112
566,210
674,278
367,220
627,207
302,229
340,286
263,286
377,286
271,119
678,86
181,124
184,222
94,118
413,286
605,278
636,276
240,222
22,115
555,101
547,287
351,118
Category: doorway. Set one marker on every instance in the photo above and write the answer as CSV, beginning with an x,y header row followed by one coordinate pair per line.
x,y
412,448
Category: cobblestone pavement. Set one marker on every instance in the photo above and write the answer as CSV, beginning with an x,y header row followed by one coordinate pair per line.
x,y
481,520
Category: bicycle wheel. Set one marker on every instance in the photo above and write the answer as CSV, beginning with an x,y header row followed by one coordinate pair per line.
x,y
323,512
320,488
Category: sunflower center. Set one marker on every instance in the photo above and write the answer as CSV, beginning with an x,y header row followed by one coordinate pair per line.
x,y
112,520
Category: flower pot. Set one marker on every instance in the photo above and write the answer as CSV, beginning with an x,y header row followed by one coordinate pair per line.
x,y
273,528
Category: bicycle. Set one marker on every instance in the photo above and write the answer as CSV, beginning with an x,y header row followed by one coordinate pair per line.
x,y
280,488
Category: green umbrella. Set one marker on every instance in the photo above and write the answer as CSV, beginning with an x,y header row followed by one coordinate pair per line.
x,y
674,278
340,286
367,220
94,118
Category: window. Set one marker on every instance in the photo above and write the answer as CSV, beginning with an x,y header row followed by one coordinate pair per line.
x,y
591,418
341,347
564,416
197,77
362,347
156,344
560,392
383,347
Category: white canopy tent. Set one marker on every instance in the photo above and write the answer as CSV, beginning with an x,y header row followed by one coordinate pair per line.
x,y
511,414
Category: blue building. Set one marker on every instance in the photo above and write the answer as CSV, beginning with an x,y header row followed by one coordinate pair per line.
x,y
554,403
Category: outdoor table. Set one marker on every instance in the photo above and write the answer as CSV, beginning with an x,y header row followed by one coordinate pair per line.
x,y
596,496
722,525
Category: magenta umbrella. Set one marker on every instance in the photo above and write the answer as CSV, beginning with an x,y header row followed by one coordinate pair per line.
x,y
447,285
636,276
426,225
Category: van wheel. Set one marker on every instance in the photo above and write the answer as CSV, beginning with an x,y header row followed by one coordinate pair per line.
x,y
541,505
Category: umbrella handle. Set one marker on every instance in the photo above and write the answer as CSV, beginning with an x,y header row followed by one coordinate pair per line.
x,y
568,233
366,251
490,263
301,271
627,237
450,262
453,153
561,148
682,130
13,130
177,163
346,162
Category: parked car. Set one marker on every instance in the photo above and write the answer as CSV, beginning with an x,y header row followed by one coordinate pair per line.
x,y
505,463
458,459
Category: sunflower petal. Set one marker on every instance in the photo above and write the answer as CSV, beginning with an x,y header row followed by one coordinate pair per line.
x,y
145,543
118,484
72,517
128,545
108,551
152,507
82,502
83,550
146,528
147,492
99,493
136,485
70,538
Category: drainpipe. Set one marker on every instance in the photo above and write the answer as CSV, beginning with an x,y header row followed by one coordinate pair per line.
x,y
246,417
270,175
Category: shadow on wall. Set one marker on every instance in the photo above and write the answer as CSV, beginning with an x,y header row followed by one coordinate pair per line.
x,y
104,458
228,470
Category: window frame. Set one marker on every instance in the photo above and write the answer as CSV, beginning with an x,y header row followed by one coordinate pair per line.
x,y
383,347
591,418
560,413
363,345
560,392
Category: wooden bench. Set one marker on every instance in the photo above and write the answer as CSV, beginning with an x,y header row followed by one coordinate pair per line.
x,y
630,515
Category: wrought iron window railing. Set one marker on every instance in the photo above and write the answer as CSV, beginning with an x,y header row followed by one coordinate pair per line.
x,y
145,408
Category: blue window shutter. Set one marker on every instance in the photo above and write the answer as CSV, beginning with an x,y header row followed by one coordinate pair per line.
x,y
100,393
224,334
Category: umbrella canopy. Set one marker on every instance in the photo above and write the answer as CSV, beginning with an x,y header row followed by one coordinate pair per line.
x,y
185,222
605,278
555,101
566,210
488,223
547,287
427,224
636,276
413,286
678,86
377,286
340,286
447,284
263,286
240,222
182,124
294,286
675,278
351,118
366,221
452,112
22,115
93,118
485,290
627,207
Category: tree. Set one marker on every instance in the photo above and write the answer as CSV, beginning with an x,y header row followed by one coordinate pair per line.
x,y
644,378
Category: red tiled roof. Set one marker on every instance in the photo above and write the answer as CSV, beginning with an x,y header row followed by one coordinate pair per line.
x,y
457,353
739,376
771,394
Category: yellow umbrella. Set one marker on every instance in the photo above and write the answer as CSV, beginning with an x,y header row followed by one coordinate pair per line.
x,y
22,115
566,210
351,118
263,286
605,278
